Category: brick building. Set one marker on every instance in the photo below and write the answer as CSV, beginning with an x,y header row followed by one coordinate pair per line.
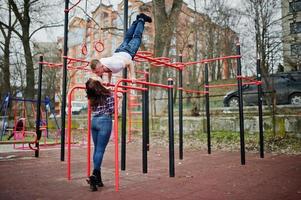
x,y
291,25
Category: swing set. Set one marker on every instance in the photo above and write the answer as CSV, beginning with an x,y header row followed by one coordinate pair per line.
x,y
23,120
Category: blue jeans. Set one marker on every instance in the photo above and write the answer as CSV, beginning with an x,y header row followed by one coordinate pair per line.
x,y
101,132
132,39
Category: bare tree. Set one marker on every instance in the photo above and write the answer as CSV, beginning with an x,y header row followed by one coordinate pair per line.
x,y
29,14
5,47
166,15
263,15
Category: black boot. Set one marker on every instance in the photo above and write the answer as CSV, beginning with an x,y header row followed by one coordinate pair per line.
x,y
93,183
97,174
145,17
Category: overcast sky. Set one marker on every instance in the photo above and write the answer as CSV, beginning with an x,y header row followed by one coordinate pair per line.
x,y
51,34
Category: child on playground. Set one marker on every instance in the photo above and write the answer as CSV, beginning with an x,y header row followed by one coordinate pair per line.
x,y
124,54
19,127
102,105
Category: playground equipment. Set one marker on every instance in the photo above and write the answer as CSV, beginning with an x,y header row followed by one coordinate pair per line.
x,y
134,108
144,138
159,62
19,108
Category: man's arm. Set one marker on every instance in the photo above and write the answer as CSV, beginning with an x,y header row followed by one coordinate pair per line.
x,y
109,76
131,68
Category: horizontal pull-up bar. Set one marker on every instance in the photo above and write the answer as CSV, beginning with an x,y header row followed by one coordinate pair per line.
x,y
144,83
212,60
193,91
126,87
233,84
76,60
160,62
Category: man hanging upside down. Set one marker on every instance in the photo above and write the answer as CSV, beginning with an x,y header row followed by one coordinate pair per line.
x,y
124,54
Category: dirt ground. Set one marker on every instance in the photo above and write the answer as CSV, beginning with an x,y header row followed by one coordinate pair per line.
x,y
199,176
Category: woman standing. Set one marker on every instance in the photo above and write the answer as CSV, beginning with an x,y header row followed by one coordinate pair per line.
x,y
102,104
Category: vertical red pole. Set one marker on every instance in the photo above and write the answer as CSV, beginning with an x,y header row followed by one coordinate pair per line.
x,y
15,122
116,137
24,123
69,137
89,141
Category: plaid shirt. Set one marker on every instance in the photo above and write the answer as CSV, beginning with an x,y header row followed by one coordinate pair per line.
x,y
106,109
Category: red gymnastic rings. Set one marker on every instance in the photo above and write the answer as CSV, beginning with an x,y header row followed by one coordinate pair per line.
x,y
84,49
99,46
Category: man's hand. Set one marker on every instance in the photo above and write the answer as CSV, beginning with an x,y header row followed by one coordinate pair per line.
x,y
134,80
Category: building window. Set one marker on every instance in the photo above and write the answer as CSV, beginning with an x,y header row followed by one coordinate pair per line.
x,y
295,6
295,27
105,15
296,49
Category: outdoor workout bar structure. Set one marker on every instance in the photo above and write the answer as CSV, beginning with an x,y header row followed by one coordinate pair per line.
x,y
144,137
241,116
145,56
162,62
69,127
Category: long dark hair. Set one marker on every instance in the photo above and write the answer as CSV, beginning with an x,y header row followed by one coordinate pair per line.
x,y
96,92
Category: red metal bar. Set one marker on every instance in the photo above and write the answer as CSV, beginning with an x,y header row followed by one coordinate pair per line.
x,y
89,141
67,10
116,136
248,78
154,60
212,60
116,122
69,129
126,87
83,68
51,64
76,60
144,53
193,91
230,85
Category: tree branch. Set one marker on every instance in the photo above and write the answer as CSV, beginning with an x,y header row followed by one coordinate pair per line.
x,y
16,11
11,29
45,26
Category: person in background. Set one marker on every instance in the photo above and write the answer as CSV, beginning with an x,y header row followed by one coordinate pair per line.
x,y
19,127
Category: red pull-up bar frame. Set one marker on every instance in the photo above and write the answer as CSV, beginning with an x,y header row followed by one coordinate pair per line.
x,y
116,119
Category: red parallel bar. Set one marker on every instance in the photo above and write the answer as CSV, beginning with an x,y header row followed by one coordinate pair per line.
x,y
150,59
89,141
212,60
116,122
252,83
149,83
83,68
246,78
52,64
232,84
193,91
76,60
145,53
69,129
126,87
